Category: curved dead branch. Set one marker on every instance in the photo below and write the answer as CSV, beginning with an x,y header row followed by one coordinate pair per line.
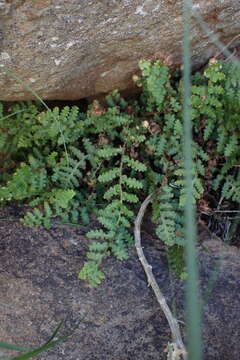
x,y
176,349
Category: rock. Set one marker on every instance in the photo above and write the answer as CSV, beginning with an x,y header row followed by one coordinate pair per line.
x,y
73,49
120,319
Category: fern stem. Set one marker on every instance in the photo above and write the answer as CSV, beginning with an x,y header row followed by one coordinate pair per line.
x,y
120,185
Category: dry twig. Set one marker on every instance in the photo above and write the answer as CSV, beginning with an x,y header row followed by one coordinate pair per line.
x,y
176,349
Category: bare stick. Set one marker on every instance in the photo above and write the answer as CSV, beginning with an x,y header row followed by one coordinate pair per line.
x,y
176,348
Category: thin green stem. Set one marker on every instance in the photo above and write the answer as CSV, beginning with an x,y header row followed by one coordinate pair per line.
x,y
192,291
120,185
212,36
10,115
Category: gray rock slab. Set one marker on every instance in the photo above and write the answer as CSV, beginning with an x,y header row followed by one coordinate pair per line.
x,y
120,319
73,49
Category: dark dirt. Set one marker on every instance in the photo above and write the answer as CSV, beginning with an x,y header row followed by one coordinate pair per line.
x,y
120,319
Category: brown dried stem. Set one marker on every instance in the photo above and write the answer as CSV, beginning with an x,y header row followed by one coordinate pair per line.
x,y
177,347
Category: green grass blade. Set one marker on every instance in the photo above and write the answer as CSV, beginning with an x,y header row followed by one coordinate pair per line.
x,y
192,291
34,352
26,86
8,346
39,350
212,36
54,333
10,115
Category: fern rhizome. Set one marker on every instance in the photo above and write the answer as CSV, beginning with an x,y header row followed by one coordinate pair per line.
x,y
68,164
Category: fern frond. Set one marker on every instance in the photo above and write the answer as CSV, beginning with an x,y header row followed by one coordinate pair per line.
x,y
108,152
132,182
131,198
112,192
90,272
134,164
109,175
61,198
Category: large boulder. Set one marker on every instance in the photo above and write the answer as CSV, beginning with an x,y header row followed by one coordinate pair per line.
x,y
73,49
121,318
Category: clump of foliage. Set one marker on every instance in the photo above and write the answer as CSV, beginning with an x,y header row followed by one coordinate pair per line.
x,y
68,164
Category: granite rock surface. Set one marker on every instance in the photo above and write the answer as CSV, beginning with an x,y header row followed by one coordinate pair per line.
x,y
71,49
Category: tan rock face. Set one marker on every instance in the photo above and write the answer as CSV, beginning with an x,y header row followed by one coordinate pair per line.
x,y
72,49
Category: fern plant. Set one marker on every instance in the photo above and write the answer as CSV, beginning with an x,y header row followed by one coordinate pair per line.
x,y
67,164
215,112
120,180
47,174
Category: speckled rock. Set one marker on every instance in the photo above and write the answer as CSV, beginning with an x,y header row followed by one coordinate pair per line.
x,y
120,320
70,49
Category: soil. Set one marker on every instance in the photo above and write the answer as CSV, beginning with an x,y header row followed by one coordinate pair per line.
x,y
119,320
